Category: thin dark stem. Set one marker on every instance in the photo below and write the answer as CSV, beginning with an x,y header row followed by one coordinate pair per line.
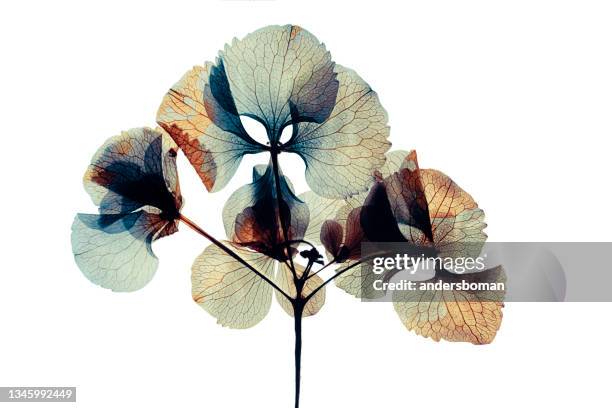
x,y
279,200
298,308
304,276
334,276
299,303
322,268
231,253
340,272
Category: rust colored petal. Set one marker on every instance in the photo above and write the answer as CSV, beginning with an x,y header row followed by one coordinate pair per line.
x,y
454,315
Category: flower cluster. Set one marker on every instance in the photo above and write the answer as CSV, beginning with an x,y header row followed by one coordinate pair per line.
x,y
284,78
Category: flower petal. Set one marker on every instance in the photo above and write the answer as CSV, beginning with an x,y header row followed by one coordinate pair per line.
x,y
229,291
251,216
209,133
332,237
114,251
396,160
342,153
284,280
321,209
134,170
343,236
279,74
377,218
453,315
456,221
408,202
359,280
432,210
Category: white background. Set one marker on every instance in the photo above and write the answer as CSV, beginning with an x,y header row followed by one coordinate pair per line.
x,y
512,99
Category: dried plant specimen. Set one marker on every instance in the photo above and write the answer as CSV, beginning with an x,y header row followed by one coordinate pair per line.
x,y
279,244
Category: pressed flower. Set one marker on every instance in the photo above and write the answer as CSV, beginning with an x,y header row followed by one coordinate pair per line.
x,y
132,179
280,76
253,214
253,218
285,79
427,210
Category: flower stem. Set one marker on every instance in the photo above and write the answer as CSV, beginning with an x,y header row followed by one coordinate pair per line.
x,y
231,253
279,201
340,272
321,269
298,308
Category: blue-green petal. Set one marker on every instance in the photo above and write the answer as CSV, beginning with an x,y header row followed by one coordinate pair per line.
x,y
114,250
343,153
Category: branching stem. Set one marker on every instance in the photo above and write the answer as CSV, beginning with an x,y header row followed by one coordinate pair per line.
x,y
279,200
340,272
231,253
323,268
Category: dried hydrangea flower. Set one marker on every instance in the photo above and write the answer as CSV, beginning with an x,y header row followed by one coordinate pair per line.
x,y
285,79
280,76
227,289
252,215
132,179
424,208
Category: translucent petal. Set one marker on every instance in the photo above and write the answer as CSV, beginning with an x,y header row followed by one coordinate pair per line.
x,y
345,233
332,237
407,199
359,280
209,132
279,74
284,280
395,160
423,207
133,179
342,153
454,315
251,215
114,251
321,209
229,291
133,170
429,208
456,221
